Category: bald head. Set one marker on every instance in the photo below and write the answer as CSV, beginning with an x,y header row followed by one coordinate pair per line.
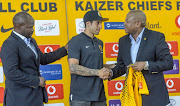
x,y
138,15
22,18
23,24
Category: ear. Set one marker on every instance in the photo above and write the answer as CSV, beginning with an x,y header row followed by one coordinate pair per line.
x,y
88,23
138,24
17,26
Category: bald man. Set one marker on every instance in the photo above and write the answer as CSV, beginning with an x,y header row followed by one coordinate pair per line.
x,y
148,51
21,59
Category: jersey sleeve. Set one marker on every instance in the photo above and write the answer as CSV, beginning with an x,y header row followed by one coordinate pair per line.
x,y
74,48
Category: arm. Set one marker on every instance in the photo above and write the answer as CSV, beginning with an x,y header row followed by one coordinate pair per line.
x,y
75,68
53,56
110,66
164,60
120,68
47,58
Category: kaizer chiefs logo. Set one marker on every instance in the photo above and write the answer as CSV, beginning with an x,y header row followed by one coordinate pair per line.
x,y
99,14
100,47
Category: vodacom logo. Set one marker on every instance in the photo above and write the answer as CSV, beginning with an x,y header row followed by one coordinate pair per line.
x,y
177,21
119,87
170,83
115,48
47,49
51,90
169,45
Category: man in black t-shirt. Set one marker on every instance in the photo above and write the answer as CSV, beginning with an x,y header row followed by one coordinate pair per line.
x,y
85,59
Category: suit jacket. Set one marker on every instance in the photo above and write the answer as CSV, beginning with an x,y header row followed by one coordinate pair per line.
x,y
21,69
153,49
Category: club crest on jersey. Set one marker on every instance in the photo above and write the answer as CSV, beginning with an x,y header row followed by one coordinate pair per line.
x,y
100,47
99,14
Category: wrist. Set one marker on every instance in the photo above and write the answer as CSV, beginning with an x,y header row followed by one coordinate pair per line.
x,y
146,65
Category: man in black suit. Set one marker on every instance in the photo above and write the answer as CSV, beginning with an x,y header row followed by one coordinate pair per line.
x,y
149,53
21,58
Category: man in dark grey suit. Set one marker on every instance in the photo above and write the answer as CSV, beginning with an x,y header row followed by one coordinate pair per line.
x,y
21,58
149,53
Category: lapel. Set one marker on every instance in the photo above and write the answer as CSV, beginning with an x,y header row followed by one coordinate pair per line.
x,y
128,42
142,44
37,50
25,45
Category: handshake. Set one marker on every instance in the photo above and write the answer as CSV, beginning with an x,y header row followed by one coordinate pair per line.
x,y
104,73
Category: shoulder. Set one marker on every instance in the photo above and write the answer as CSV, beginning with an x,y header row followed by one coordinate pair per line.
x,y
11,41
9,45
76,38
75,41
124,38
155,34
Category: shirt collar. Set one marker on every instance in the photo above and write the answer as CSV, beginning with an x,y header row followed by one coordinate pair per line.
x,y
22,37
139,36
26,40
88,36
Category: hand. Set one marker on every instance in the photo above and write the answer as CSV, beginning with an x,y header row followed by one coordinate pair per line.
x,y
42,82
108,75
138,66
104,73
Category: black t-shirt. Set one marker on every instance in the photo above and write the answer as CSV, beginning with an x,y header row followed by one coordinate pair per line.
x,y
89,52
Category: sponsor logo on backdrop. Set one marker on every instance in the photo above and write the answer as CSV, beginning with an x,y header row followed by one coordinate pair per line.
x,y
173,46
4,30
1,75
0,56
114,25
172,85
174,101
47,28
48,48
111,50
176,33
1,94
175,69
80,27
115,102
153,25
115,87
55,91
54,104
51,72
177,21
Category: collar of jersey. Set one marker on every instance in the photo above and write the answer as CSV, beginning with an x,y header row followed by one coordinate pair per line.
x,y
88,36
